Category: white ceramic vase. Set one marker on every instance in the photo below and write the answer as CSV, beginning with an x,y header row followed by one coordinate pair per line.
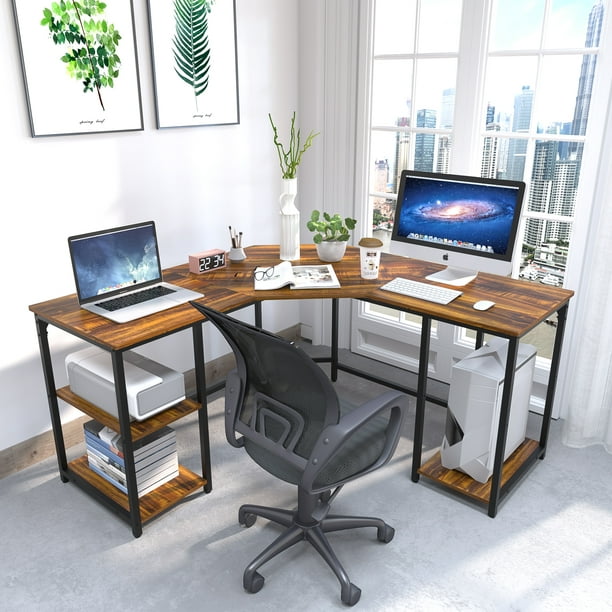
x,y
331,250
290,221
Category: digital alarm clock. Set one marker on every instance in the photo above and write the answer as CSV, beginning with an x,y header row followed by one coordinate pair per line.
x,y
207,261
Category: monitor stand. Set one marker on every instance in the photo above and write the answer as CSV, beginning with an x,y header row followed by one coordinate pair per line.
x,y
453,276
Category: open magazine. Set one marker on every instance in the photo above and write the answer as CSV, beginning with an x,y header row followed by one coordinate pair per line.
x,y
296,277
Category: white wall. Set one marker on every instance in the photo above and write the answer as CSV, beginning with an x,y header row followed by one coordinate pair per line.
x,y
193,182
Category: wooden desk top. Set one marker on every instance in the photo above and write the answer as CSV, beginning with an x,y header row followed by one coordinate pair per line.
x,y
66,314
519,305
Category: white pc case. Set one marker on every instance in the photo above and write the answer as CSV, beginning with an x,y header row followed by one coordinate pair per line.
x,y
477,384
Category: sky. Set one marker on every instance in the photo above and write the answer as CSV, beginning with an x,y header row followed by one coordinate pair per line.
x,y
516,24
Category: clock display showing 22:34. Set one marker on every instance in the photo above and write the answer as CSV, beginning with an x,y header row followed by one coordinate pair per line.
x,y
207,261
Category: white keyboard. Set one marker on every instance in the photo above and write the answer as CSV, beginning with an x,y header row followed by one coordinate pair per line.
x,y
423,291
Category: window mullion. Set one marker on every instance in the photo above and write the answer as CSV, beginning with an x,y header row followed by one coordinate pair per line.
x,y
470,87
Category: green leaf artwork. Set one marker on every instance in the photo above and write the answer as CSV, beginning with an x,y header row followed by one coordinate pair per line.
x,y
191,49
91,55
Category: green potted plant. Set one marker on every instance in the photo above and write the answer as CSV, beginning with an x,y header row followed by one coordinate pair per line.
x,y
289,158
331,234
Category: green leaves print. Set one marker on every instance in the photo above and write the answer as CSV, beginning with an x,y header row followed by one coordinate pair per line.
x,y
191,49
91,55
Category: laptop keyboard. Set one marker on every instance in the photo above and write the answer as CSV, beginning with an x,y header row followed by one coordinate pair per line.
x,y
123,301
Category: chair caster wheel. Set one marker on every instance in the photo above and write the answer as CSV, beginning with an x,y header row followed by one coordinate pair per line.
x,y
350,595
385,534
246,518
253,583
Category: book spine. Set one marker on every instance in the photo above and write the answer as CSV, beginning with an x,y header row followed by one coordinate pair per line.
x,y
155,457
104,457
146,457
142,465
146,486
94,468
93,428
97,445
106,467
142,447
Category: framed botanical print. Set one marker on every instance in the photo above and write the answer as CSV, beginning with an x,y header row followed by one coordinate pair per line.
x,y
80,66
194,55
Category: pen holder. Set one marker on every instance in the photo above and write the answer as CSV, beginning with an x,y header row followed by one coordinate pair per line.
x,y
236,254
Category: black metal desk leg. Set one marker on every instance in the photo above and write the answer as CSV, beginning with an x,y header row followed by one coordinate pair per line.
x,y
479,338
552,378
258,315
126,438
56,423
201,396
419,420
334,340
502,430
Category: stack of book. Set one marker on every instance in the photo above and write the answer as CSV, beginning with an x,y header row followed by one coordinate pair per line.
x,y
155,457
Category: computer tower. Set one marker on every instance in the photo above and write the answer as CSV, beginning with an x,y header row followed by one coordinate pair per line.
x,y
474,401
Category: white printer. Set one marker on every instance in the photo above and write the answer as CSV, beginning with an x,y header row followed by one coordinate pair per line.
x,y
151,387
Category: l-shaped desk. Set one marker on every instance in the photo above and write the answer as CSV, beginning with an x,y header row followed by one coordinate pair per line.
x,y
519,307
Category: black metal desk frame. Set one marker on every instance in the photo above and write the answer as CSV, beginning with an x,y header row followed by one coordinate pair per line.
x,y
498,493
133,516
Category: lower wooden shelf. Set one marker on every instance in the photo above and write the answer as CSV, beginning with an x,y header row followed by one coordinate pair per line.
x,y
463,484
151,504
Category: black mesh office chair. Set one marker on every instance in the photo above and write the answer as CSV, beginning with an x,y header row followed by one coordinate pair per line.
x,y
284,410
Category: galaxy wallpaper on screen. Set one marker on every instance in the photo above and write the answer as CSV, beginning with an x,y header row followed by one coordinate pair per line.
x,y
457,214
113,261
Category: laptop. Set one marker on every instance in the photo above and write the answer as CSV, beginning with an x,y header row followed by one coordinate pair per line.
x,y
118,273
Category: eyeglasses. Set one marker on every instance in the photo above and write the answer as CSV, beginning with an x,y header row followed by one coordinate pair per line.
x,y
263,273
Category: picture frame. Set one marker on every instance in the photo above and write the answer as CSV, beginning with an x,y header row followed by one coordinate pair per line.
x,y
200,88
68,90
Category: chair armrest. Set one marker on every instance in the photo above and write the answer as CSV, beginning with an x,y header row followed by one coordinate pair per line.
x,y
334,437
233,399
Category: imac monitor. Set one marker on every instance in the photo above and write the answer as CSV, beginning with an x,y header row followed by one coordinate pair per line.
x,y
469,223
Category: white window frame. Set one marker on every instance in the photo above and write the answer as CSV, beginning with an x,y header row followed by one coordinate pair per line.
x,y
323,25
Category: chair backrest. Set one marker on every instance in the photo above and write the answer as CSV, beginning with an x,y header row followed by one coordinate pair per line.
x,y
278,397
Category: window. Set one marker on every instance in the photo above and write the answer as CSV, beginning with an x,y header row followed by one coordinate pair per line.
x,y
499,88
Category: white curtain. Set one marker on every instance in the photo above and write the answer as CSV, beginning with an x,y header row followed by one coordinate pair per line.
x,y
588,384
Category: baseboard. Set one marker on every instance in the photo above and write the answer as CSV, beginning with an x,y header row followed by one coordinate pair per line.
x,y
36,449
41,447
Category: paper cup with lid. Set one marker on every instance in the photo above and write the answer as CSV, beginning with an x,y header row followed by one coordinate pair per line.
x,y
369,255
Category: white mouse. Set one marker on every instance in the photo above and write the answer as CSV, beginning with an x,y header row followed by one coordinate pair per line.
x,y
484,305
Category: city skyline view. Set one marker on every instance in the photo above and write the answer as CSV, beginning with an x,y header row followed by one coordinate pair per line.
x,y
516,26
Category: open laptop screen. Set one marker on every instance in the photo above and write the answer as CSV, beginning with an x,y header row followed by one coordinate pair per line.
x,y
114,261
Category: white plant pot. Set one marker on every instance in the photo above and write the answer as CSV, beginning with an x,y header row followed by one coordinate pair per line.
x,y
331,251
